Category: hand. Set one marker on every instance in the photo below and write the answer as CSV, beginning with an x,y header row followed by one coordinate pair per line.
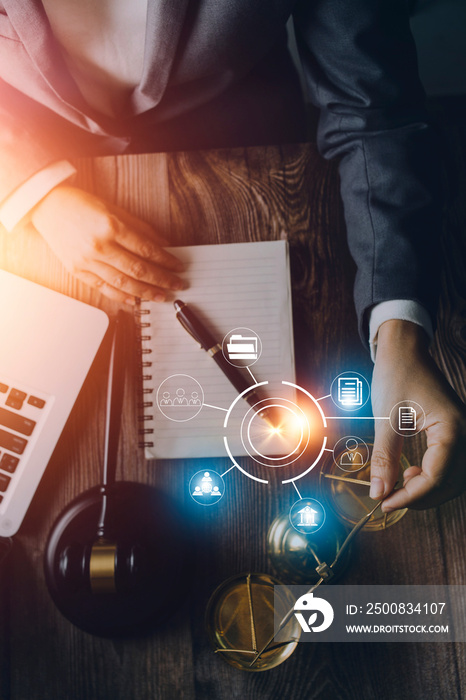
x,y
106,247
404,370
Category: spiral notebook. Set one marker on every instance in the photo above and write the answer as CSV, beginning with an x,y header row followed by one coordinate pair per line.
x,y
243,286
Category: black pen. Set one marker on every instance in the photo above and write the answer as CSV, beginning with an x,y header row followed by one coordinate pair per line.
x,y
201,335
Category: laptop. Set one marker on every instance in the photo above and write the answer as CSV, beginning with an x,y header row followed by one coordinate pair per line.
x,y
48,342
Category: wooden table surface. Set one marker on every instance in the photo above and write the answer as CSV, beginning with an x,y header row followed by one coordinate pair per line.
x,y
213,197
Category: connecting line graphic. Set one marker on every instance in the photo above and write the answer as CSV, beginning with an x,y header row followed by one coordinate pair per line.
x,y
253,377
233,466
297,491
357,417
327,396
217,407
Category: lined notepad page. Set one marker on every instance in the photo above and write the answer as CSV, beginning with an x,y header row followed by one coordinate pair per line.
x,y
235,285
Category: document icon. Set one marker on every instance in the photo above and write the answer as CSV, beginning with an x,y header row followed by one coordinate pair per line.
x,y
406,418
349,391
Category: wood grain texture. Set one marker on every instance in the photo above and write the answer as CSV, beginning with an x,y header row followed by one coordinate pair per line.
x,y
212,197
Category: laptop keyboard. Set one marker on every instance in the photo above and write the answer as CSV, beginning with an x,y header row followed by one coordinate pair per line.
x,y
23,411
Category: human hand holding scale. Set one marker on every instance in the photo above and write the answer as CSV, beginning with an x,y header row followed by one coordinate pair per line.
x,y
441,477
386,392
404,368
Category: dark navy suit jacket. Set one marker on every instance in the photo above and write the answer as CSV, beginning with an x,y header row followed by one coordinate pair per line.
x,y
217,73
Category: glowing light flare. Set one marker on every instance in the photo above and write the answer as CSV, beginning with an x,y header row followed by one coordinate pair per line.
x,y
294,426
282,440
291,427
277,431
289,432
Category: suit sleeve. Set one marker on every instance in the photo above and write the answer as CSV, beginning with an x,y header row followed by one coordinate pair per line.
x,y
20,203
28,141
360,64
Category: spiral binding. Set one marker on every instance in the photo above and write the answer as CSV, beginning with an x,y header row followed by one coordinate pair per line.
x,y
144,364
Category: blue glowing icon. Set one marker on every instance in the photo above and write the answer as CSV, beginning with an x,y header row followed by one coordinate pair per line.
x,y
350,391
307,515
206,487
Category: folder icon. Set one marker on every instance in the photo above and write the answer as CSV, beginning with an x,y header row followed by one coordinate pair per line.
x,y
242,347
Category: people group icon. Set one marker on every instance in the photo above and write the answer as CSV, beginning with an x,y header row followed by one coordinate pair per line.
x,y
207,487
180,398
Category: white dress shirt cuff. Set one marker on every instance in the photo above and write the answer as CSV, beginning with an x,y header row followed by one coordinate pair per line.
x,y
402,309
24,198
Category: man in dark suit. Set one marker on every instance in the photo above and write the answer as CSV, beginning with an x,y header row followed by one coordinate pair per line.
x,y
90,78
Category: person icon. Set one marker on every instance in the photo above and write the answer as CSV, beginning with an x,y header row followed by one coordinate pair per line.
x,y
197,491
194,400
180,398
216,491
206,483
351,457
166,400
